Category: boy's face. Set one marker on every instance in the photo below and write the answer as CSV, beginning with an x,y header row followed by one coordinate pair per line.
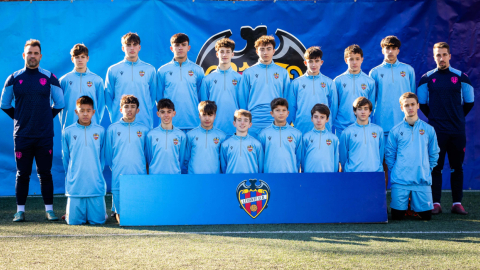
x,y
390,53
166,115
410,107
131,49
32,56
129,112
224,55
319,120
280,114
242,124
207,120
363,112
354,62
80,61
265,52
85,113
314,65
442,57
180,50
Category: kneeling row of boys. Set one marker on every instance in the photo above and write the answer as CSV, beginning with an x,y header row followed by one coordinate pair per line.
x,y
129,147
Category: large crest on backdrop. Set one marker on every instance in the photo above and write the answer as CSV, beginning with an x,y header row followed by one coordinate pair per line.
x,y
288,54
253,198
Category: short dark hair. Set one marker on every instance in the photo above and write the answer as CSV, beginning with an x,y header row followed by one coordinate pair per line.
x,y
225,43
442,45
242,112
322,109
207,107
278,102
131,38
33,43
353,49
264,41
360,102
129,99
407,95
390,41
79,49
165,103
313,52
179,38
84,100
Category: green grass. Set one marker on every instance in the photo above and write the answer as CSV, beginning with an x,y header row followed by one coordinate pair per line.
x,y
35,243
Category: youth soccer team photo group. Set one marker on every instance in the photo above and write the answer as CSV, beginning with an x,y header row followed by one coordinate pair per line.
x,y
260,121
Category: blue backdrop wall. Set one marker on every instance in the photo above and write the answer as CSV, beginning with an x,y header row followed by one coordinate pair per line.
x,y
333,25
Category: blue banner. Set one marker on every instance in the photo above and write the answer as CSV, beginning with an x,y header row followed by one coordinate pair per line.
x,y
333,25
204,199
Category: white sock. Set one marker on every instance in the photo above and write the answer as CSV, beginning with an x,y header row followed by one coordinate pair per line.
x,y
455,203
20,208
48,207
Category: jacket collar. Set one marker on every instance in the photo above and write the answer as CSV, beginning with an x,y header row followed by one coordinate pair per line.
x,y
260,64
126,124
224,71
80,73
406,124
204,130
130,63
396,64
82,126
358,125
351,76
165,130
313,76
324,131
235,136
178,64
278,128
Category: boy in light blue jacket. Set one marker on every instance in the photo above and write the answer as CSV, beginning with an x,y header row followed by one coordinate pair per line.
x,y
83,160
411,154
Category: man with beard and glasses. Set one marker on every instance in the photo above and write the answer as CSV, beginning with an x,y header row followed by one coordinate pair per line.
x,y
34,90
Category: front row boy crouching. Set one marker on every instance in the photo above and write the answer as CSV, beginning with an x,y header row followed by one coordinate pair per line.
x,y
125,147
282,143
83,160
411,154
203,143
242,153
320,146
165,143
362,143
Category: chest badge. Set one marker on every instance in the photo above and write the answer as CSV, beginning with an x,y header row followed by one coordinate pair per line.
x,y
329,142
142,73
433,80
374,135
289,138
190,73
403,73
89,84
323,85
249,148
275,75
234,82
216,140
21,81
364,86
95,136
175,141
422,131
139,134
454,80
43,81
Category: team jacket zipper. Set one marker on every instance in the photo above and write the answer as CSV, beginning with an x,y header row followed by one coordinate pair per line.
x,y
364,135
166,139
206,138
320,141
241,146
225,80
266,73
313,85
180,71
128,132
85,128
354,88
392,72
280,136
81,82
132,71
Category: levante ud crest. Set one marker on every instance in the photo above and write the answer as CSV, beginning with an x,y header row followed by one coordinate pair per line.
x,y
253,198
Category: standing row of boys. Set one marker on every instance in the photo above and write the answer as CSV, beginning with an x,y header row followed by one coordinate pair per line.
x,y
132,88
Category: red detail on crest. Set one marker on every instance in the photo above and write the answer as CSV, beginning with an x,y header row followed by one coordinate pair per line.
x,y
275,75
20,81
190,73
422,131
175,141
402,73
374,135
454,80
249,148
139,133
433,80
323,85
289,138
18,155
329,142
89,84
364,86
142,73
43,81
216,140
234,82
95,136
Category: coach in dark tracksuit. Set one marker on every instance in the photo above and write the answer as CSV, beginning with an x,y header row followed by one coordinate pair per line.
x,y
446,96
33,90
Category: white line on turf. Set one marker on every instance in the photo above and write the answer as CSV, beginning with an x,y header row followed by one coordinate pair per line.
x,y
240,232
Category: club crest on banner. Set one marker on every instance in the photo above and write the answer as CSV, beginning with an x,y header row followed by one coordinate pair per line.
x,y
216,140
249,148
142,73
190,73
234,82
89,84
289,138
175,141
288,54
422,131
403,73
139,134
253,198
374,135
95,136
364,86
323,85
329,142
